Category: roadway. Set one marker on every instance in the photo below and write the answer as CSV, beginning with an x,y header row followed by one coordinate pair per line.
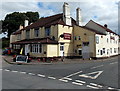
x,y
89,75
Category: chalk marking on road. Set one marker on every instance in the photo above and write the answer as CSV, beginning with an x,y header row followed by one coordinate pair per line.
x,y
73,74
1,69
6,70
41,75
114,63
92,87
77,83
31,73
63,80
97,67
23,72
51,77
66,78
88,75
80,81
14,71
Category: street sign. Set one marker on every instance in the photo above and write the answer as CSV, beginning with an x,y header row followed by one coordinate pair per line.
x,y
67,36
21,58
92,75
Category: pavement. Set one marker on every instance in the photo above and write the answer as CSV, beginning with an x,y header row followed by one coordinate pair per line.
x,y
9,59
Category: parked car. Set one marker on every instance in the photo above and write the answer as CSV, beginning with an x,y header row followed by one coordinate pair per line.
x,y
6,51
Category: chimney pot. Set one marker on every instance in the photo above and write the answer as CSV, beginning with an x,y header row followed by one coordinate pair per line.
x,y
26,23
105,25
78,17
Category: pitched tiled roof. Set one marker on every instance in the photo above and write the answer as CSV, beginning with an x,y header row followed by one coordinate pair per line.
x,y
107,29
47,21
97,32
46,40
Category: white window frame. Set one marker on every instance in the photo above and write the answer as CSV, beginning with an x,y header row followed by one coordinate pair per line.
x,y
36,32
36,48
97,39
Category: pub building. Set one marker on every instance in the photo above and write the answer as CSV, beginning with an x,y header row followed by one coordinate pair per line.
x,y
60,36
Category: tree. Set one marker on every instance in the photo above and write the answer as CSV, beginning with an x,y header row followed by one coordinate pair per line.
x,y
14,20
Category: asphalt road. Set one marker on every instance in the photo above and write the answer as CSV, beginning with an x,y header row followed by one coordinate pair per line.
x,y
90,75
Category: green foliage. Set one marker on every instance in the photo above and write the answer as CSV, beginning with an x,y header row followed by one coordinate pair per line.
x,y
5,42
14,20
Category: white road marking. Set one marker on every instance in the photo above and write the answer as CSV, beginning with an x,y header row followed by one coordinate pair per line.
x,y
6,70
97,67
114,63
77,83
23,72
31,73
66,78
80,81
74,74
41,75
92,87
51,77
100,86
1,69
14,71
63,80
88,75
94,84
110,88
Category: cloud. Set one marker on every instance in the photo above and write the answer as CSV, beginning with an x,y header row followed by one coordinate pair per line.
x,y
103,12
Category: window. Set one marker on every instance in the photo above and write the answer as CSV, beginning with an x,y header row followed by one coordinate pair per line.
x,y
47,31
98,52
75,38
61,48
36,48
111,50
80,52
36,32
27,34
79,38
107,40
103,50
97,39
18,36
107,51
114,50
16,46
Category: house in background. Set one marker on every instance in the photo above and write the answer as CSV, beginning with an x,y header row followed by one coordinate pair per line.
x,y
107,43
59,35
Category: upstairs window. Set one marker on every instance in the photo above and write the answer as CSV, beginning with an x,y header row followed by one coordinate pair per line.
x,y
97,39
75,38
79,38
47,31
18,36
36,32
27,34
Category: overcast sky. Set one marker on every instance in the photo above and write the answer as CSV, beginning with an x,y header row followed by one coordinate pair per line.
x,y
101,11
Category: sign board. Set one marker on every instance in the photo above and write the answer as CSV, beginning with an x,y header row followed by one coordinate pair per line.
x,y
67,36
21,58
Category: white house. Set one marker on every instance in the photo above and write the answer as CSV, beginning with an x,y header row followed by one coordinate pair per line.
x,y
107,43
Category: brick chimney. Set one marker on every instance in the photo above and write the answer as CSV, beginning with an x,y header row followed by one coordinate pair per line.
x,y
66,14
26,23
78,17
